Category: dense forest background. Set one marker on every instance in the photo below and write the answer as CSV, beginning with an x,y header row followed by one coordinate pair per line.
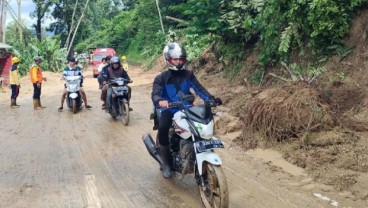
x,y
299,34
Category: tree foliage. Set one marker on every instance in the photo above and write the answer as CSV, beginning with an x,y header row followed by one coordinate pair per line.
x,y
48,48
42,8
278,28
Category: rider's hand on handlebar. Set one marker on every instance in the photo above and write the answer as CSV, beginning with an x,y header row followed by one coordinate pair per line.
x,y
104,82
214,102
163,104
218,101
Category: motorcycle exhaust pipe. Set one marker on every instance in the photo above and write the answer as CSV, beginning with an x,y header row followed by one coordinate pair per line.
x,y
151,148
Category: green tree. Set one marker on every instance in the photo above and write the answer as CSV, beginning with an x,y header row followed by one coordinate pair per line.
x,y
42,8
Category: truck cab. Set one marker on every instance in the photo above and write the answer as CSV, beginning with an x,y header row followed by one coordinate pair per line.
x,y
97,56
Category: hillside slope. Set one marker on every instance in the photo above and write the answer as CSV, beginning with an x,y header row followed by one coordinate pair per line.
x,y
322,128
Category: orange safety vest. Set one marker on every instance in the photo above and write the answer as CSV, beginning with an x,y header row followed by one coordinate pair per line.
x,y
36,74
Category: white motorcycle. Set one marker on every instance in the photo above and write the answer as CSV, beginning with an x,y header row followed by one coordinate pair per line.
x,y
191,146
73,95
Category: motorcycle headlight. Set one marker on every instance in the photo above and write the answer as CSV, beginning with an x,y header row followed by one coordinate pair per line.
x,y
205,130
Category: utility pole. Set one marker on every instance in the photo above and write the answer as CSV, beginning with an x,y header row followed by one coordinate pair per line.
x,y
159,14
2,9
71,26
76,28
20,21
3,19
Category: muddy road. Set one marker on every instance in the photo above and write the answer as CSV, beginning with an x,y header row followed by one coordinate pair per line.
x,y
57,159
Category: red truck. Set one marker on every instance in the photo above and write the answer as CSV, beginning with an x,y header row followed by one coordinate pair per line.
x,y
97,56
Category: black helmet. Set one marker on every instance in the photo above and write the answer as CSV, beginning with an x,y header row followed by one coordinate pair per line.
x,y
71,59
175,51
115,60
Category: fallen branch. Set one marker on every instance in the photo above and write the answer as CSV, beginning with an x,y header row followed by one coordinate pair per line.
x,y
177,20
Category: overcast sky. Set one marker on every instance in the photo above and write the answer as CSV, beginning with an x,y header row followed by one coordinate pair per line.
x,y
27,7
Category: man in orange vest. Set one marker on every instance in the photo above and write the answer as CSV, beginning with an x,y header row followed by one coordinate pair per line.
x,y
36,79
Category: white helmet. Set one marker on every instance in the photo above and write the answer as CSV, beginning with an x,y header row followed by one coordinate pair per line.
x,y
175,51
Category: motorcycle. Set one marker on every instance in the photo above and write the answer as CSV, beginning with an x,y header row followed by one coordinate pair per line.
x,y
119,101
191,147
73,95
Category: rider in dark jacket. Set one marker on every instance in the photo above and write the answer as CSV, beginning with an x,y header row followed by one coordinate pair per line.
x,y
167,87
113,70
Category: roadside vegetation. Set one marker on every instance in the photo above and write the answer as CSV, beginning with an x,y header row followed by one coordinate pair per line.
x,y
303,33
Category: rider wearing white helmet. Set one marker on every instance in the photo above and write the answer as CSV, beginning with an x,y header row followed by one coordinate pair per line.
x,y
167,87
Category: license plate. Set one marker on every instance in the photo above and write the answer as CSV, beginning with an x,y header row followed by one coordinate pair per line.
x,y
202,146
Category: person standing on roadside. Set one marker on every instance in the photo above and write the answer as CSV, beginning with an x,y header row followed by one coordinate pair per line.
x,y
124,63
36,79
14,82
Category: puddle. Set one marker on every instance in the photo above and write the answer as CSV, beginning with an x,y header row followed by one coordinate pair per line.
x,y
276,159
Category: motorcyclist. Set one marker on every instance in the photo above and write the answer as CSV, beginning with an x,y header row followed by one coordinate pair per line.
x,y
101,69
176,79
113,70
77,63
73,70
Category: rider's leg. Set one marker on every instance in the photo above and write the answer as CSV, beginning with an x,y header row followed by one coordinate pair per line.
x,y
108,98
165,122
62,100
84,97
103,96
129,96
99,79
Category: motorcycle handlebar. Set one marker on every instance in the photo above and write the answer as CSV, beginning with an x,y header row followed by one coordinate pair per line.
x,y
180,105
125,80
214,102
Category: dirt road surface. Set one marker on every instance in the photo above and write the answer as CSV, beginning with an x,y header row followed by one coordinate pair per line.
x,y
60,159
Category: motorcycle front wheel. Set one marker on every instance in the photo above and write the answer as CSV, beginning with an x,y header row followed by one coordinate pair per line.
x,y
124,112
214,193
74,106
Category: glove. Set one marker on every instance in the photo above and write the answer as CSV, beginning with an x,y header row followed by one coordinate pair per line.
x,y
214,102
218,101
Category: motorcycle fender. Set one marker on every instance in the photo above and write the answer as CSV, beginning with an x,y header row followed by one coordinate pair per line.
x,y
209,157
73,95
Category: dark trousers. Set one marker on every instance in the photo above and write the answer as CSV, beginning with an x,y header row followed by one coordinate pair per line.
x,y
15,91
164,124
36,91
100,80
